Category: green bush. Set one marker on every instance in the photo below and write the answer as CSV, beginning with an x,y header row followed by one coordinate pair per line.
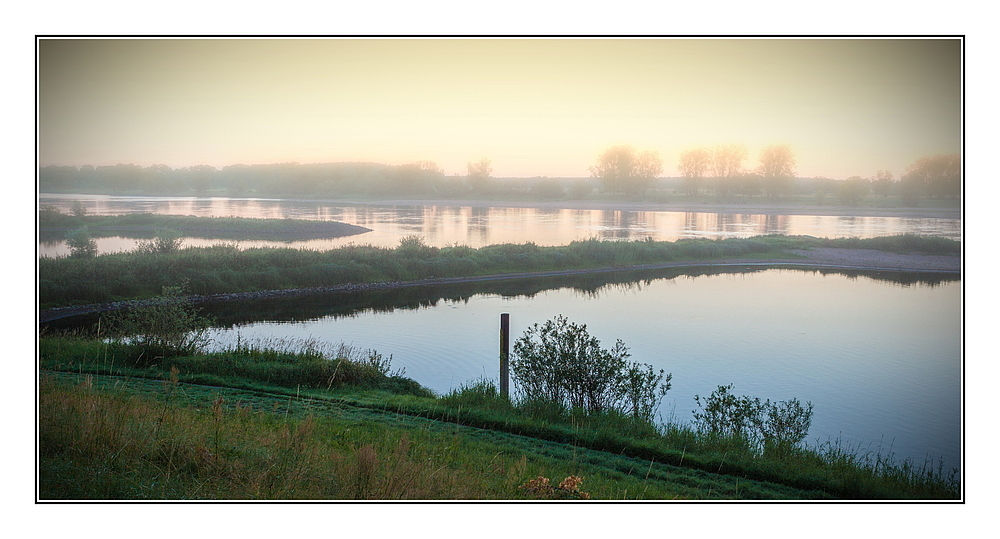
x,y
165,326
560,363
166,241
773,428
81,245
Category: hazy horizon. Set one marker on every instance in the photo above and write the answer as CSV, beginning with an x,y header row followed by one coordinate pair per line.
x,y
534,107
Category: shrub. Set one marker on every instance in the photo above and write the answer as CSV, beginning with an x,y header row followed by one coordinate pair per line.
x,y
81,245
770,427
166,241
165,326
560,363
78,209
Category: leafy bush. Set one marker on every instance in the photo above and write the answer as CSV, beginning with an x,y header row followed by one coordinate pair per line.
x,y
774,428
166,326
560,363
81,245
166,241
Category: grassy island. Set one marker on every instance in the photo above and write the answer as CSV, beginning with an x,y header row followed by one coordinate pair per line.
x,y
226,269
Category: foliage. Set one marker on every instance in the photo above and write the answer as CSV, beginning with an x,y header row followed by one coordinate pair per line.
x,y
165,326
166,241
769,427
81,245
852,190
481,393
726,166
226,269
676,452
479,175
693,166
560,363
579,189
936,177
623,171
777,168
882,183
78,209
547,188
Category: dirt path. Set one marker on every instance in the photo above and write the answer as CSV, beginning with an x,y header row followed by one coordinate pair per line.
x,y
858,259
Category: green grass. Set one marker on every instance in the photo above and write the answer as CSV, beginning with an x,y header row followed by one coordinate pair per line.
x,y
685,463
114,438
227,269
55,226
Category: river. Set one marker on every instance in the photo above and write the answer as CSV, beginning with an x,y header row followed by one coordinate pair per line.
x,y
879,357
475,226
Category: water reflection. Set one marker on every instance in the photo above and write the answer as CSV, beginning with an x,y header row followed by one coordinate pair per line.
x,y
877,353
477,226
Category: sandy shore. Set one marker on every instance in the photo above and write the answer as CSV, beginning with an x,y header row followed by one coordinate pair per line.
x,y
755,208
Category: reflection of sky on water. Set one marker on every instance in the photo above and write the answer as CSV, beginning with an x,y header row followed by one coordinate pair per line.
x,y
477,226
875,358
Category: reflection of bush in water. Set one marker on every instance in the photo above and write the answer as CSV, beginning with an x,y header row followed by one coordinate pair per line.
x,y
348,304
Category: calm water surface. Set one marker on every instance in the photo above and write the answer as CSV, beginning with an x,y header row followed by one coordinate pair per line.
x,y
477,226
880,361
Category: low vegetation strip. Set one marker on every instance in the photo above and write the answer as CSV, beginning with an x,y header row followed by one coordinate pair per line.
x,y
219,443
226,269
53,225
327,384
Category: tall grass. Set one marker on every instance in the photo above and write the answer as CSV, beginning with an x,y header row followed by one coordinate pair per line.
x,y
292,363
832,467
830,470
198,443
226,269
98,445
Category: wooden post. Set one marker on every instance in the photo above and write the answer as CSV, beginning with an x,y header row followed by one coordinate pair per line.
x,y
505,354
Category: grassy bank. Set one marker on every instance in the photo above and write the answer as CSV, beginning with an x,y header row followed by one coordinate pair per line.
x,y
226,269
334,435
53,226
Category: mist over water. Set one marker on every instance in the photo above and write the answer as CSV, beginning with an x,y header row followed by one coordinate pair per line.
x,y
441,226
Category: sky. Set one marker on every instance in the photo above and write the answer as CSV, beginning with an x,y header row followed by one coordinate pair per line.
x,y
534,107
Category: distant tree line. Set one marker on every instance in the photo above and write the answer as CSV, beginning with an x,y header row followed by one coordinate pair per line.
x,y
619,171
285,179
719,170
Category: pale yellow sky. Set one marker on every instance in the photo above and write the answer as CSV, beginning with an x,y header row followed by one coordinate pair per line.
x,y
535,107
